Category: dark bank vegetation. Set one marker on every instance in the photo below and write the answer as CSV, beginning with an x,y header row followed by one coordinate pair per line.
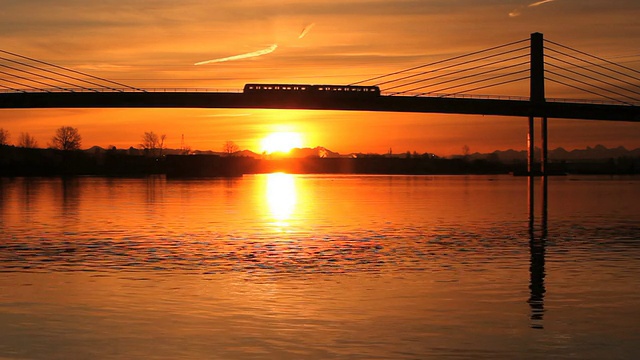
x,y
18,161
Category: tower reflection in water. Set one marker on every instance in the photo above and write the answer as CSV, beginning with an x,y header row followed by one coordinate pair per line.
x,y
537,257
282,199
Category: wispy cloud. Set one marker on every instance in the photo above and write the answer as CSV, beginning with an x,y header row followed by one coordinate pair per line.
x,y
306,30
261,52
540,3
518,11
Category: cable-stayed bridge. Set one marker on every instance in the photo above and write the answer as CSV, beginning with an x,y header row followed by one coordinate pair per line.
x,y
454,85
457,85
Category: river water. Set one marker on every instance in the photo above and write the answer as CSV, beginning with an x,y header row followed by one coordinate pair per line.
x,y
312,267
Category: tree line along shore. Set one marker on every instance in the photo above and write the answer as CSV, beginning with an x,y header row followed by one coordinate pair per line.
x,y
17,161
63,157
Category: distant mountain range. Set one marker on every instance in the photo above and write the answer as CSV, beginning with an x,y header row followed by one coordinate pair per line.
x,y
599,152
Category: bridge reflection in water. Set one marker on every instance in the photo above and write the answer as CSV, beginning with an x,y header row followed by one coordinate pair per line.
x,y
282,198
281,194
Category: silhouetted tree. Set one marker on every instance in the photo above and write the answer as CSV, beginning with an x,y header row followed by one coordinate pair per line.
x,y
4,137
465,151
229,148
153,143
66,138
27,141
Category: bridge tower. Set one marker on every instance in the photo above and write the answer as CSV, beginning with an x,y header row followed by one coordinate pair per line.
x,y
537,101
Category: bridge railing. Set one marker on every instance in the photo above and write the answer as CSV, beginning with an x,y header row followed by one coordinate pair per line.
x,y
592,101
117,90
459,96
516,98
203,90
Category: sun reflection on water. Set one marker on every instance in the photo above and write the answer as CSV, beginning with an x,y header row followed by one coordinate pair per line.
x,y
281,197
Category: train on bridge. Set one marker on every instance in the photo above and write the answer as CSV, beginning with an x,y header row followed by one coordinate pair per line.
x,y
312,90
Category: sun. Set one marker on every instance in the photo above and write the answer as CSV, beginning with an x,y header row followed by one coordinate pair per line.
x,y
282,141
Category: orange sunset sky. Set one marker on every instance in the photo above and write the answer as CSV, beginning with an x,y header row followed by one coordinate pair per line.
x,y
156,44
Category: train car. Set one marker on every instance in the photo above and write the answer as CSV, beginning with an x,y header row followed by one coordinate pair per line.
x,y
313,90
348,89
264,88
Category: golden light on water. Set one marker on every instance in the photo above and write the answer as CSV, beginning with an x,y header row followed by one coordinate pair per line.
x,y
281,196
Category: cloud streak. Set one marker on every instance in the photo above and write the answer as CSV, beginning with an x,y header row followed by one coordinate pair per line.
x,y
518,11
252,54
306,30
540,3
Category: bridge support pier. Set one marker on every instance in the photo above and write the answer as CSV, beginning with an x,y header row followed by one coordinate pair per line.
x,y
537,100
530,148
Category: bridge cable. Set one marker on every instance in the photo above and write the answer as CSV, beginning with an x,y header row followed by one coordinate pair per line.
x,y
477,82
21,84
587,69
38,75
603,75
595,86
70,70
598,65
591,70
437,62
596,57
591,92
455,72
452,66
487,86
55,73
10,88
62,75
27,79
457,79
595,79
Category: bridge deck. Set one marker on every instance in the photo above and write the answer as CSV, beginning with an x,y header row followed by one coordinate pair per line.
x,y
501,107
